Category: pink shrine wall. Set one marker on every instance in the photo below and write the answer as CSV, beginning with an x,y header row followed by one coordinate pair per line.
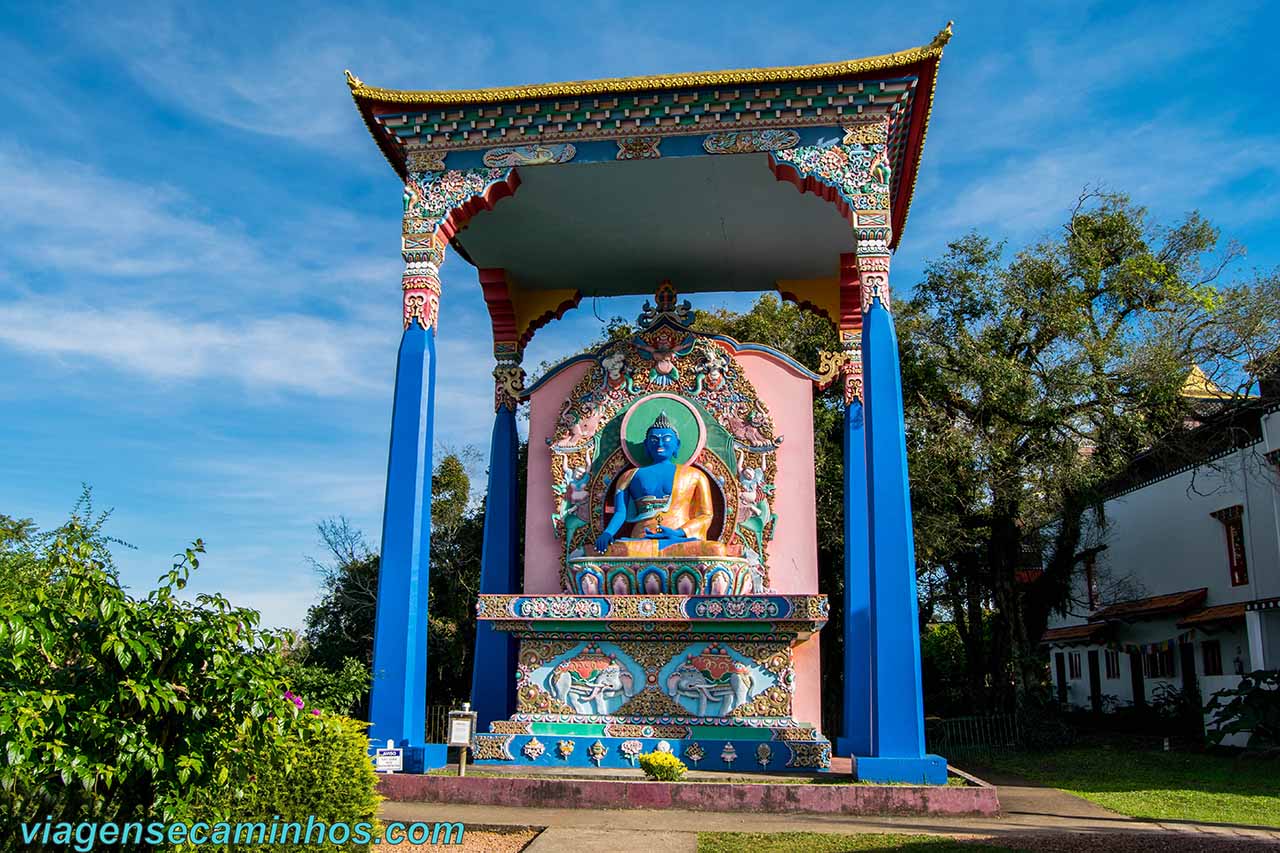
x,y
793,553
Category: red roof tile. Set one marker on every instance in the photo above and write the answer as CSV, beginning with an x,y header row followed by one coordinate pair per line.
x,y
1217,613
1073,634
1156,605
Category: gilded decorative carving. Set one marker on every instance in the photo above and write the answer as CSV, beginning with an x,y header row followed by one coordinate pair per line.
x,y
597,751
565,748
749,141
695,753
814,755
508,385
773,701
532,699
826,70
510,727
424,160
529,155
846,365
764,752
535,652
639,148
668,730
803,733
652,702
492,747
866,133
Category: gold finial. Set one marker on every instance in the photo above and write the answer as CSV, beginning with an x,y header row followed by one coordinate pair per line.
x,y
943,36
353,81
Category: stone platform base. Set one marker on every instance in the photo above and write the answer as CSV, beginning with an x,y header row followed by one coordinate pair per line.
x,y
764,797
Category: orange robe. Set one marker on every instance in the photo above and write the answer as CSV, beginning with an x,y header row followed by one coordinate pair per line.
x,y
690,509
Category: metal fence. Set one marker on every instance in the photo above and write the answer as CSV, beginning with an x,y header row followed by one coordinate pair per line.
x,y
972,738
437,723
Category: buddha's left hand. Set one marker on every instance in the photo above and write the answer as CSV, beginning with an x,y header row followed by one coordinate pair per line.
x,y
664,532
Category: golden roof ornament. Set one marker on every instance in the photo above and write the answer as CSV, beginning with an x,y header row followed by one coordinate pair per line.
x,y
943,36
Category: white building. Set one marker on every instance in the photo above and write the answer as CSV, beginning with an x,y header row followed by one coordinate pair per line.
x,y
1179,590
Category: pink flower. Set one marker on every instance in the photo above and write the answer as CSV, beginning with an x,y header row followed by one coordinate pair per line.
x,y
315,712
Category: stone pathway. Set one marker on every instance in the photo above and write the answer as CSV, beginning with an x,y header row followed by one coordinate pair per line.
x,y
1035,817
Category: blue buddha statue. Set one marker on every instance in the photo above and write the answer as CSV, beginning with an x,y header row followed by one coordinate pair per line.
x,y
660,505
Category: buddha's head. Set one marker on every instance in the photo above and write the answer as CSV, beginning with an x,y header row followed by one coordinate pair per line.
x,y
661,441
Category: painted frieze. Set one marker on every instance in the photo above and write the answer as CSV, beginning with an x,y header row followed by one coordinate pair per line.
x,y
639,148
748,141
529,155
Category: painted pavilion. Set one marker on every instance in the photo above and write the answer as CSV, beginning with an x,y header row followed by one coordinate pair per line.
x,y
699,636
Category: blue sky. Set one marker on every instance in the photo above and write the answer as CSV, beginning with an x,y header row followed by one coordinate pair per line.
x,y
199,269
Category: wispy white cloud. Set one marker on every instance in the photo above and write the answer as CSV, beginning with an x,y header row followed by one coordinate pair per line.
x,y
286,352
67,216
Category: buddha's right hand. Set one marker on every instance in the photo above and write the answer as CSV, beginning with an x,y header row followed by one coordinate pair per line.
x,y
603,541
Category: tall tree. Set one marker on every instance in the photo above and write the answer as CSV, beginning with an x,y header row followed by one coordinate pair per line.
x,y
1029,382
340,625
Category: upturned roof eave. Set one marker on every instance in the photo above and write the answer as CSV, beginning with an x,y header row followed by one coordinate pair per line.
x,y
922,60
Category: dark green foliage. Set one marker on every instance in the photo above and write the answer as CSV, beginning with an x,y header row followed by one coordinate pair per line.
x,y
340,626
309,766
153,708
1028,382
1252,707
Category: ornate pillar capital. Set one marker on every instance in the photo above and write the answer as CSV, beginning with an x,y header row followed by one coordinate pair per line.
x,y
873,273
508,385
437,203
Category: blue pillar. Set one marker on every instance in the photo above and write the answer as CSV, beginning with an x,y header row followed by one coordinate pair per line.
x,y
855,725
897,711
399,694
493,687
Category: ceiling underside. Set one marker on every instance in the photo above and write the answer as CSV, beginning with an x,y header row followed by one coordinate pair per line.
x,y
707,223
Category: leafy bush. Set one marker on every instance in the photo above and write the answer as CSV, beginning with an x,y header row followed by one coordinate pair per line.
x,y
309,765
340,691
116,708
1042,723
1252,706
662,766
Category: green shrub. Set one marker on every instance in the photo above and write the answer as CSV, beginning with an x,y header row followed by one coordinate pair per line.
x,y
154,708
307,766
662,766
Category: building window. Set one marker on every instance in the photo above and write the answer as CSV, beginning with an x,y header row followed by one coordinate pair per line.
x,y
1232,519
1158,664
1211,654
1113,663
1073,663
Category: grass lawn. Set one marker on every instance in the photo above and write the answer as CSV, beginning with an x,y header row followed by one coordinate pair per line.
x,y
816,842
1162,785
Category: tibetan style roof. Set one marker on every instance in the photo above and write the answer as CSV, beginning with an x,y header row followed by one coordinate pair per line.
x,y
1073,634
1156,605
897,86
1217,613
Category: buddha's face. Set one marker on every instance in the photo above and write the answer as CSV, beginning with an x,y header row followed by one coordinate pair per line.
x,y
661,444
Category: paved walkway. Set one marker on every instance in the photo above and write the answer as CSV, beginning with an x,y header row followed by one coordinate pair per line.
x,y
1029,811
